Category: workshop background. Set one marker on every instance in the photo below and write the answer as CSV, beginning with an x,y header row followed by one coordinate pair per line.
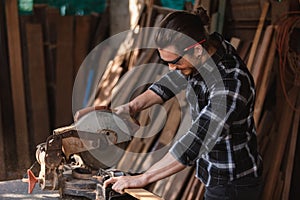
x,y
44,42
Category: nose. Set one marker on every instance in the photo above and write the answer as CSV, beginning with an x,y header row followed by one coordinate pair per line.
x,y
172,66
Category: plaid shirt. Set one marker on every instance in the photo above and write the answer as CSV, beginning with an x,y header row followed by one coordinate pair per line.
x,y
222,145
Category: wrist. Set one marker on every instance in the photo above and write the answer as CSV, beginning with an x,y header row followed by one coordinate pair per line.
x,y
132,108
145,178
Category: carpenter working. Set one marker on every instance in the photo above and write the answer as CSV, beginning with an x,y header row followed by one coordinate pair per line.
x,y
221,145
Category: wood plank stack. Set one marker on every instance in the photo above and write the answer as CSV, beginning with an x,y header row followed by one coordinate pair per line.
x,y
38,68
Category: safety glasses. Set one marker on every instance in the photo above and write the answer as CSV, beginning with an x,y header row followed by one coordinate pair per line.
x,y
176,60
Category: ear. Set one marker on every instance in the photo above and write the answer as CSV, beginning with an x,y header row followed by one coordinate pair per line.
x,y
198,50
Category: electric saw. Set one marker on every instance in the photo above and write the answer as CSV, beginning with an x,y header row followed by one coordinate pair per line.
x,y
95,142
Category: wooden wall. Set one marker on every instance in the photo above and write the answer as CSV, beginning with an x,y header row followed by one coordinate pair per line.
x,y
40,56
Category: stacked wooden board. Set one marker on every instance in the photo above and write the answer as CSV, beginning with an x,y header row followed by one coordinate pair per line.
x,y
40,56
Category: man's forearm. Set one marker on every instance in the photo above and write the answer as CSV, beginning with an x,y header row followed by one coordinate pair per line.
x,y
143,101
166,167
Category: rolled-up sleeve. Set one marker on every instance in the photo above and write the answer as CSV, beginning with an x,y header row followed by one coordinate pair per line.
x,y
169,85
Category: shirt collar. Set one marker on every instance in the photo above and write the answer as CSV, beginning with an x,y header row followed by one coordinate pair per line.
x,y
208,65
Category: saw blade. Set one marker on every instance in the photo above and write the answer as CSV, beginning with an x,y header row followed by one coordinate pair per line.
x,y
117,131
99,121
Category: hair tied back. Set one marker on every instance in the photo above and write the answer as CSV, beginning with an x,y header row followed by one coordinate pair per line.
x,y
202,14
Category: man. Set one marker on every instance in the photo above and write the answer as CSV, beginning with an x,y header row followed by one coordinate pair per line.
x,y
221,142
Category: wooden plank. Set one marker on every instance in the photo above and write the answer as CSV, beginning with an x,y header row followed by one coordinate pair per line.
x,y
244,50
149,135
48,17
3,63
2,151
266,146
157,122
37,84
201,192
109,80
17,83
149,13
278,189
194,188
102,29
221,11
82,40
245,11
142,194
64,71
6,99
257,35
189,186
174,188
259,63
135,146
138,144
159,187
265,125
92,84
214,22
112,75
264,82
278,152
235,42
291,155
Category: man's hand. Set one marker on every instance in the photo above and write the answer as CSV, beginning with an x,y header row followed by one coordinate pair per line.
x,y
86,110
123,182
167,166
123,110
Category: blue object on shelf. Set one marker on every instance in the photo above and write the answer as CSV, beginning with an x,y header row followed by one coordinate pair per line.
x,y
175,4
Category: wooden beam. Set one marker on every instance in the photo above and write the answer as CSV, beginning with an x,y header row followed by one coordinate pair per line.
x,y
6,98
81,49
142,194
264,82
2,151
82,40
235,42
244,50
17,83
194,188
3,92
37,83
102,29
283,130
47,17
188,186
257,35
64,71
258,67
174,186
291,155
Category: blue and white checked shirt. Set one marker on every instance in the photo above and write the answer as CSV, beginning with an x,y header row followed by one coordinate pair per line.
x,y
222,138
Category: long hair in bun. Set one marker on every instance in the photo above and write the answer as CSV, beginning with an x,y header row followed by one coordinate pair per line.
x,y
188,24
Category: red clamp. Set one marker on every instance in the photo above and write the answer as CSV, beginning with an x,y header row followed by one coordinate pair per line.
x,y
31,180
